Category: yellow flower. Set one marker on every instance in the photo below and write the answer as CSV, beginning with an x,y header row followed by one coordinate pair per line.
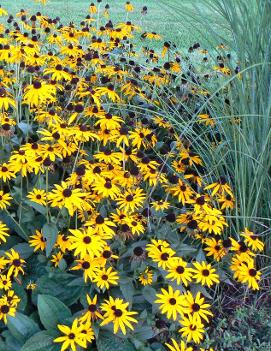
x,y
105,277
116,312
37,241
4,200
131,200
171,303
6,173
174,346
192,329
146,277
39,93
38,195
6,99
73,336
247,274
3,12
161,255
86,242
92,312
129,7
64,196
5,282
252,240
205,274
15,262
196,307
57,258
3,232
177,270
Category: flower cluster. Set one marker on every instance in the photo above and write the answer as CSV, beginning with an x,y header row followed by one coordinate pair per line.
x,y
99,192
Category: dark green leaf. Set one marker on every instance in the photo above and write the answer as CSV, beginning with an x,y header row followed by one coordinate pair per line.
x,y
149,293
110,342
127,289
24,250
39,208
49,231
39,342
56,285
52,311
22,327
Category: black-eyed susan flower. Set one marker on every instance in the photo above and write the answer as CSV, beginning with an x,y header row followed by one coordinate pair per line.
x,y
72,337
6,99
161,255
56,258
93,312
65,197
4,200
171,302
192,329
252,240
146,277
5,282
39,93
196,307
214,247
247,274
205,274
116,311
37,241
104,278
6,172
6,309
15,263
86,242
129,7
4,232
38,195
175,346
179,271
131,200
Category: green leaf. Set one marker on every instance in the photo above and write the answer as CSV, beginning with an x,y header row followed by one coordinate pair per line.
x,y
110,342
149,293
56,284
39,342
39,208
20,291
49,231
127,289
26,128
52,311
22,327
13,225
198,288
144,333
24,250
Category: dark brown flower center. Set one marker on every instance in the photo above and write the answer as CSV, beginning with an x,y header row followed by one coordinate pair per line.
x,y
67,193
4,309
205,272
118,312
195,307
252,272
87,239
172,301
180,270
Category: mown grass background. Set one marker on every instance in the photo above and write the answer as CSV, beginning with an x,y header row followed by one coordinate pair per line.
x,y
160,18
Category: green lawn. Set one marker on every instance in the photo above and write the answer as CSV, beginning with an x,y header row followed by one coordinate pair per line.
x,y
159,18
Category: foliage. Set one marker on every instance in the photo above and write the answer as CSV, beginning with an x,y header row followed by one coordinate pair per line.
x,y
247,328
